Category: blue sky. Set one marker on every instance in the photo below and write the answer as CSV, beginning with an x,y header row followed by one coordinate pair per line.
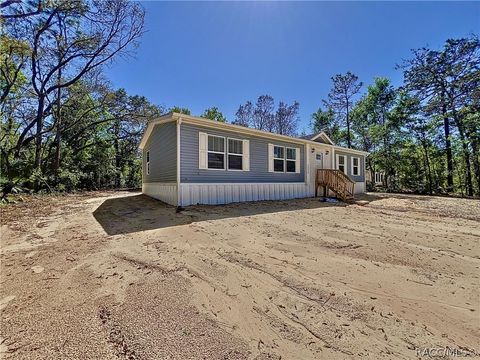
x,y
202,54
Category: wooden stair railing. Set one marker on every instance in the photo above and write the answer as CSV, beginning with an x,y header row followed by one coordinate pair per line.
x,y
336,181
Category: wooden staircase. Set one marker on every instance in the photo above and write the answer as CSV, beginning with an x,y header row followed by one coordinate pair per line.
x,y
336,181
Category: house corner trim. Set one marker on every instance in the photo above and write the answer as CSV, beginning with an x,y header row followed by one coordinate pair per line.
x,y
179,193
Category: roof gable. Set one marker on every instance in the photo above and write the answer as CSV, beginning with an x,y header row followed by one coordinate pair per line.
x,y
151,126
322,138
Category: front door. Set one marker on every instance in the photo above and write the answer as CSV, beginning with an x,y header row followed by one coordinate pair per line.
x,y
319,158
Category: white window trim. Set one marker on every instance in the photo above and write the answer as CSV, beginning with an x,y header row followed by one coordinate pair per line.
x,y
357,167
296,159
242,154
147,161
203,152
218,152
379,177
246,155
344,163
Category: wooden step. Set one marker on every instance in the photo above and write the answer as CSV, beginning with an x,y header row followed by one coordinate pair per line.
x,y
336,181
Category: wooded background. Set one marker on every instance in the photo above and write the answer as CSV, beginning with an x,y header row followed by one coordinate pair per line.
x,y
63,126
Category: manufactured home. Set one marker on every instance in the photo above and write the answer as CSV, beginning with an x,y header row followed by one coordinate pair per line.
x,y
191,160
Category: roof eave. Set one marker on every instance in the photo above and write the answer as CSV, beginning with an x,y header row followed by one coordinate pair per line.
x,y
173,116
355,151
237,128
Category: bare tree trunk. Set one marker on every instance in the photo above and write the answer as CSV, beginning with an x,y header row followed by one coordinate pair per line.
x,y
466,154
448,146
58,135
38,136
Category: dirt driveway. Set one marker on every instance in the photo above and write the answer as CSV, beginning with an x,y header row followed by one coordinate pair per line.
x,y
122,276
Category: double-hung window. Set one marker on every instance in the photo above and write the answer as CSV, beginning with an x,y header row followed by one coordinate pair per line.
x,y
216,152
355,166
147,155
223,153
278,159
235,154
283,159
342,163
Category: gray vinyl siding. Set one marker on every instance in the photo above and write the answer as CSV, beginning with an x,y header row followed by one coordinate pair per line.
x,y
162,145
359,178
190,173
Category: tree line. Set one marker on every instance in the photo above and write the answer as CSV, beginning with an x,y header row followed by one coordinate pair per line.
x,y
64,127
424,135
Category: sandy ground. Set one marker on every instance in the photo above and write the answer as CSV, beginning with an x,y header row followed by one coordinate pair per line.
x,y
122,276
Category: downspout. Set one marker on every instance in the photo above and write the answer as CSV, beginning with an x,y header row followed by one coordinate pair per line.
x,y
365,173
307,164
179,193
